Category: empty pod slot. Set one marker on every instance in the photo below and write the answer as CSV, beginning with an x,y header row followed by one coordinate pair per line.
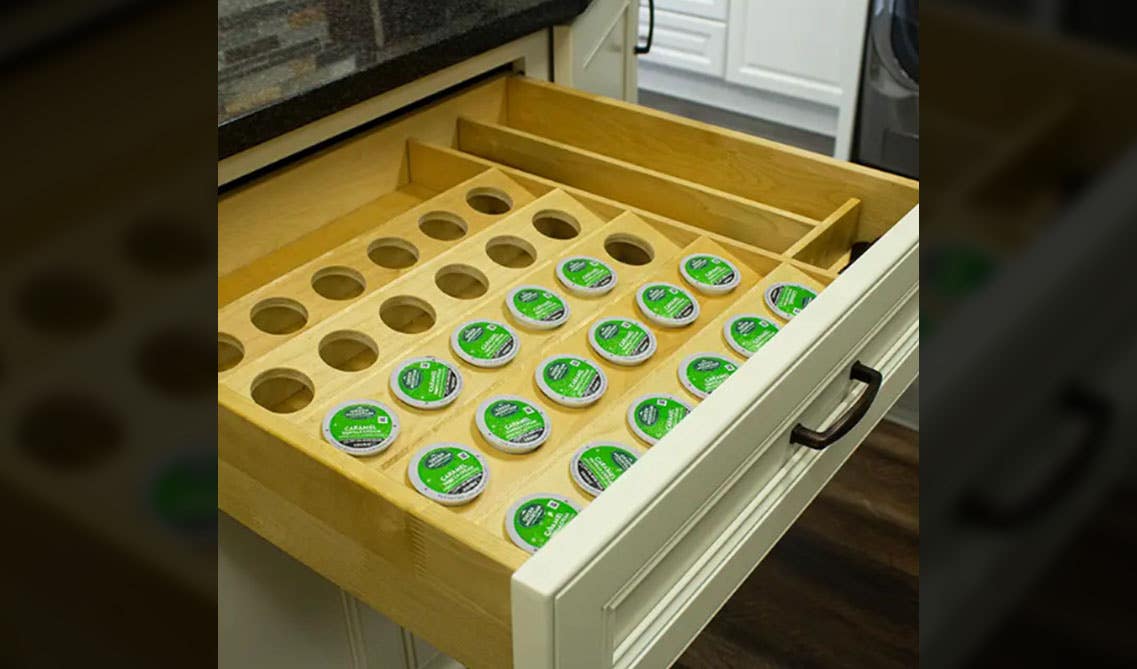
x,y
348,351
282,390
492,201
279,315
338,283
407,314
392,253
510,251
629,249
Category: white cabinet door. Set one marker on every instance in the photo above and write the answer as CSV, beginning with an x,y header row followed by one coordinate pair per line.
x,y
806,50
596,53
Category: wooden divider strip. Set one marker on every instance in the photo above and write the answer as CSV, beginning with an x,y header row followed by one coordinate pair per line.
x,y
423,156
271,266
751,167
826,243
725,213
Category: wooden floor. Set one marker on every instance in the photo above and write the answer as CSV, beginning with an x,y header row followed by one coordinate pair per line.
x,y
841,588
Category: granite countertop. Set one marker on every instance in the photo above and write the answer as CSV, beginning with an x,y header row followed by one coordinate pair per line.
x,y
284,63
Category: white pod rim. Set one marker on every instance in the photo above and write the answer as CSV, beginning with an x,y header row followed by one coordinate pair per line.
x,y
443,498
370,450
728,327
686,380
421,404
664,321
503,444
710,288
533,322
586,291
479,362
513,508
574,463
616,359
568,400
774,309
631,413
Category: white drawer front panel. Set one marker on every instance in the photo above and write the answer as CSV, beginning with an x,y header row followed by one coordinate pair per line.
x,y
654,620
686,42
708,9
632,580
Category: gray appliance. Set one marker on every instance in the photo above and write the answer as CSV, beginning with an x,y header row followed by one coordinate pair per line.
x,y
888,114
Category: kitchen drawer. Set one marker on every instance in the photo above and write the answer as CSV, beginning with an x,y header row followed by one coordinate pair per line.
x,y
369,251
686,42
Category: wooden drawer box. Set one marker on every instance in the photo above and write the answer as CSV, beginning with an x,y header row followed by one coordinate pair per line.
x,y
341,264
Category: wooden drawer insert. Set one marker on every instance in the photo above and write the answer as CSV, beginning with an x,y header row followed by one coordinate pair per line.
x,y
336,267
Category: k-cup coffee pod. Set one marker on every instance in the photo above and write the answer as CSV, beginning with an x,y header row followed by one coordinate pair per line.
x,y
788,299
426,382
537,307
710,274
534,519
667,305
624,341
586,276
570,380
703,372
652,416
513,424
485,343
746,333
596,465
361,427
449,473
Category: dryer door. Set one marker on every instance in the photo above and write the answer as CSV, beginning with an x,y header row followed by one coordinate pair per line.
x,y
895,32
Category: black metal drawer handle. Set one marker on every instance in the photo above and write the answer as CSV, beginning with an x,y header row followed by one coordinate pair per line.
x,y
646,48
848,420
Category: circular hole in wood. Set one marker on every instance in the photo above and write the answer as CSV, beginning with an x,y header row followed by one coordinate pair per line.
x,y
41,432
163,246
348,351
64,302
629,249
230,352
556,224
176,362
279,315
462,281
392,253
408,314
338,283
509,251
282,390
493,201
442,225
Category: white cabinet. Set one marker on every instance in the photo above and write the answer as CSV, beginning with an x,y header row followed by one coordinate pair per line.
x,y
805,50
273,611
596,52
791,47
794,62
